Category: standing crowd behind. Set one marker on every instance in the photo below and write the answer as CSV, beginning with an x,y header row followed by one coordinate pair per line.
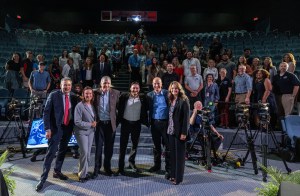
x,y
178,78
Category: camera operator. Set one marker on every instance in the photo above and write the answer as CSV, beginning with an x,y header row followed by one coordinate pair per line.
x,y
196,121
262,92
39,83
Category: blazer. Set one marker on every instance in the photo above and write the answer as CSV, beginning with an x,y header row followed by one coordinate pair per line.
x,y
113,103
54,110
150,97
122,105
181,117
83,118
97,74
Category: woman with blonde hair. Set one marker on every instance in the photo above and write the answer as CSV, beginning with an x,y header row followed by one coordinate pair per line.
x,y
290,59
86,73
177,130
268,66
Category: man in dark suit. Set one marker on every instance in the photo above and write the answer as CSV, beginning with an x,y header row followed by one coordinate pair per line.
x,y
132,113
101,69
58,122
105,102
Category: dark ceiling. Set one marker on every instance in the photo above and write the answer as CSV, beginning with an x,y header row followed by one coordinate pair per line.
x,y
210,15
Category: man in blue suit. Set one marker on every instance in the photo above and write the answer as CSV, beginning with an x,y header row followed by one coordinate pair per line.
x,y
58,122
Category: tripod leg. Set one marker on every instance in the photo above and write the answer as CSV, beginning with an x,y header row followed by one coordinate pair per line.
x,y
208,153
264,161
4,132
21,136
224,157
248,151
280,151
250,143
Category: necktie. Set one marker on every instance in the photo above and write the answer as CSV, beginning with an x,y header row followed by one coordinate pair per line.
x,y
67,105
101,67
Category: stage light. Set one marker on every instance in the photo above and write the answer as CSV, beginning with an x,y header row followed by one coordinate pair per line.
x,y
19,17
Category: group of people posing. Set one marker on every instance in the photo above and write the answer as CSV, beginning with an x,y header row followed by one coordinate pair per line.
x,y
97,116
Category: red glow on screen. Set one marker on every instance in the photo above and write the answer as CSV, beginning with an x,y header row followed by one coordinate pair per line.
x,y
255,19
19,17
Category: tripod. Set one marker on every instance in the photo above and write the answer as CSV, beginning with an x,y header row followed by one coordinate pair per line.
x,y
245,124
264,129
207,143
18,125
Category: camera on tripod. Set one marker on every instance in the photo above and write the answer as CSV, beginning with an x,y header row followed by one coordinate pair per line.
x,y
207,113
242,112
263,112
14,108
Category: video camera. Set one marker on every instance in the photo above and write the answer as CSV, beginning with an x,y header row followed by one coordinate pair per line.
x,y
263,111
35,100
242,112
207,112
14,108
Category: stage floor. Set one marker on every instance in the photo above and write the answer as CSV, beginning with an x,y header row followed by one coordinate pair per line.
x,y
197,181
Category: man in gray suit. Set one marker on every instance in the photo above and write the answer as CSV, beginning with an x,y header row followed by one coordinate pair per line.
x,y
85,125
105,102
58,122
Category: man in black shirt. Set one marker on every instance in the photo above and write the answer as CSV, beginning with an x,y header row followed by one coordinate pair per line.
x,y
169,76
285,87
26,68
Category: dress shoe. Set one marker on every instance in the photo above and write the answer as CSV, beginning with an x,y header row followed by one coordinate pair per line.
x,y
120,172
60,175
76,156
108,172
154,169
134,168
39,186
94,175
82,180
167,176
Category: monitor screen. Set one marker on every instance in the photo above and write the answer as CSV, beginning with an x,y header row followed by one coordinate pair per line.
x,y
37,136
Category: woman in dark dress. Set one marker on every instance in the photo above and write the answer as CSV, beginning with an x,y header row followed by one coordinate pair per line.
x,y
177,130
262,92
55,73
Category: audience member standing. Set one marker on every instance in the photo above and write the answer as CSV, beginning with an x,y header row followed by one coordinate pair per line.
x,y
262,92
86,73
55,73
225,89
193,85
39,84
229,66
243,86
169,76
134,63
27,68
290,60
211,69
12,78
268,66
106,100
188,62
58,123
101,69
76,63
179,113
285,86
